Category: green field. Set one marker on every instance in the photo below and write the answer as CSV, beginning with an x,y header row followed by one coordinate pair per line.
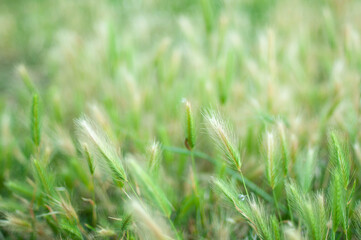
x,y
166,119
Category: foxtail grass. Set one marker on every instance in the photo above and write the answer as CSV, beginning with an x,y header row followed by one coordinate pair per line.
x,y
266,226
24,74
152,189
154,153
226,141
305,168
148,226
224,138
311,209
102,149
35,121
190,140
340,192
273,166
91,166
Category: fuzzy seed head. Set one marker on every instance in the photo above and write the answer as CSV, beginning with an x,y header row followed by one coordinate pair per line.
x,y
153,190
105,232
339,159
43,176
292,233
273,160
89,159
24,75
223,137
147,223
100,146
16,223
35,121
190,136
270,159
155,155
270,146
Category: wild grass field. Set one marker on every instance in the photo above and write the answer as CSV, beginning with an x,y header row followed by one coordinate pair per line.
x,y
160,119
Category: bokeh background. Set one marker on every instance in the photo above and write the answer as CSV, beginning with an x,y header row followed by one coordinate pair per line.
x,y
132,63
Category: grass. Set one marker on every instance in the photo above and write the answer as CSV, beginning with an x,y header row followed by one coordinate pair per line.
x,y
180,120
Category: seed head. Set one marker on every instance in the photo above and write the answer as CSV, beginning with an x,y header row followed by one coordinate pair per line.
x,y
223,137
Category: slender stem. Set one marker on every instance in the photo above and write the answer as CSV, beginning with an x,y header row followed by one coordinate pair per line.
x,y
194,175
94,203
244,185
134,192
289,209
346,233
196,190
33,220
276,204
174,229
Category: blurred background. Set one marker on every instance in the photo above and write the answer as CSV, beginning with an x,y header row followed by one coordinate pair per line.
x,y
134,61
